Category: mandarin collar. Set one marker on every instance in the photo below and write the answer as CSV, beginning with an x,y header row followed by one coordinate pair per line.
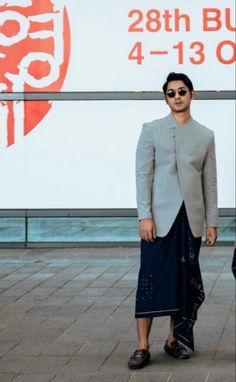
x,y
174,123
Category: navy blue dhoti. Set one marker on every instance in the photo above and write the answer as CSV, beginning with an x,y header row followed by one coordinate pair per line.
x,y
170,282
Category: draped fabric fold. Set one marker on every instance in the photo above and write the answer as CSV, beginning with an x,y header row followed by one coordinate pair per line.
x,y
170,282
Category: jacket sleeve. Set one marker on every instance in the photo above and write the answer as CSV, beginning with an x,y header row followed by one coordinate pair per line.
x,y
210,186
145,154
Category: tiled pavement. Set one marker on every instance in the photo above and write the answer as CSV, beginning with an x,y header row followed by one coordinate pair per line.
x,y
67,315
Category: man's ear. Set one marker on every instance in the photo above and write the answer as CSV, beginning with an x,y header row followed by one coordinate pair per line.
x,y
193,94
165,98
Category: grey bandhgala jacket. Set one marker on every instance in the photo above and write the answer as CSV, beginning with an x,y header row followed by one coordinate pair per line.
x,y
176,163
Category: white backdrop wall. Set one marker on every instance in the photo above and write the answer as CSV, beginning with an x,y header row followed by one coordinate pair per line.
x,y
82,154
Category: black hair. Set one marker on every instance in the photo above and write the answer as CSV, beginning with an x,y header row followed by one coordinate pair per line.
x,y
178,77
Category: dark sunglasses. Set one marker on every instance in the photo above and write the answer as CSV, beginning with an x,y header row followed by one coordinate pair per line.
x,y
181,91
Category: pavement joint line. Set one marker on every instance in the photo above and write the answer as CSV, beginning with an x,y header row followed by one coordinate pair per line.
x,y
123,274
51,380
170,376
118,306
128,295
39,301
215,281
60,371
24,338
110,261
66,282
41,353
41,324
131,376
97,277
15,271
208,375
221,335
18,282
62,286
7,274
108,355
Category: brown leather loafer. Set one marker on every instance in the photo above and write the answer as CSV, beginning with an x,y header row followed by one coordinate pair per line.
x,y
139,359
176,350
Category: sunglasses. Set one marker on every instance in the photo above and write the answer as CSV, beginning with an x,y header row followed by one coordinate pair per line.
x,y
181,92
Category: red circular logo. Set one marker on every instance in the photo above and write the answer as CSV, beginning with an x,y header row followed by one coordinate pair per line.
x,y
34,57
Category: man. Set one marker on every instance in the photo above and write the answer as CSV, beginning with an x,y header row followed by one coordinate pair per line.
x,y
176,191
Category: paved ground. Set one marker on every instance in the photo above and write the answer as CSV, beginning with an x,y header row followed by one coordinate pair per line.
x,y
67,315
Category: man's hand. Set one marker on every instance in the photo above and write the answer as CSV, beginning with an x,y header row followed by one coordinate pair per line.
x,y
147,230
211,236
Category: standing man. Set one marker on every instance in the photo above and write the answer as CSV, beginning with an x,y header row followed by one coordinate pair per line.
x,y
176,192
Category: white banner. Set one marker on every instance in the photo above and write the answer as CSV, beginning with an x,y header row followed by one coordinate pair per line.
x,y
115,45
82,155
134,44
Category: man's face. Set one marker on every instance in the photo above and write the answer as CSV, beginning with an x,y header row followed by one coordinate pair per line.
x,y
178,96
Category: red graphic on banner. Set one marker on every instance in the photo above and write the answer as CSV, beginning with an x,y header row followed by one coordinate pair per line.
x,y
34,57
